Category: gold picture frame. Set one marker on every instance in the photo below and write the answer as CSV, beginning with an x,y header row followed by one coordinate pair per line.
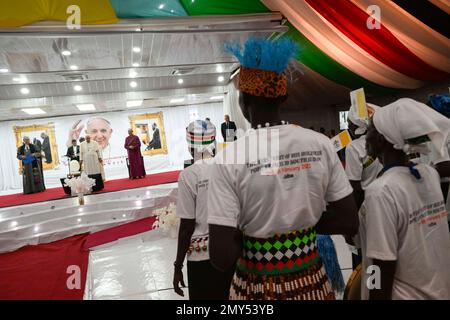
x,y
34,131
142,127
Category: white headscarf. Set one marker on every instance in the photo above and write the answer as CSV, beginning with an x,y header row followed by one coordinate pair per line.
x,y
407,119
362,124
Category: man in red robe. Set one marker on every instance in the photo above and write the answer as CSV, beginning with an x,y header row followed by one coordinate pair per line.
x,y
136,162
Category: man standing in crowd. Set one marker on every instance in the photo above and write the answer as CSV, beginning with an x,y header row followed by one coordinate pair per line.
x,y
91,157
228,129
73,152
32,172
135,159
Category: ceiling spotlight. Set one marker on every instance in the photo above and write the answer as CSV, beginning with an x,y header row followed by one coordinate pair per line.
x,y
135,64
25,91
33,111
219,69
133,74
66,53
134,103
78,220
138,29
161,6
124,215
77,88
36,229
136,49
171,11
86,107
20,79
133,84
220,78
180,81
14,223
178,100
4,70
73,67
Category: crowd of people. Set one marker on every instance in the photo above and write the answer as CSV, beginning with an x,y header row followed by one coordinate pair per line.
x,y
249,228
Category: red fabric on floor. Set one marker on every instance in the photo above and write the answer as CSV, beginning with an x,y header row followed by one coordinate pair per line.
x,y
113,185
40,272
122,231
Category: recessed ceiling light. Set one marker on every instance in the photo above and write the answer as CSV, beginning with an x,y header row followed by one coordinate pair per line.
x,y
220,78
36,229
133,74
33,111
178,100
73,67
180,81
20,79
219,69
134,103
78,220
124,215
136,49
14,223
138,30
77,88
171,11
161,6
66,53
133,84
4,70
135,64
86,107
216,98
25,91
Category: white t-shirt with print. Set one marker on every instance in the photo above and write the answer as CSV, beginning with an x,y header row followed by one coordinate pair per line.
x,y
278,191
404,219
191,202
359,166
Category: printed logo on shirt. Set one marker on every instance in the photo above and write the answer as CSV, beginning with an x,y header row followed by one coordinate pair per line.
x,y
428,214
286,163
203,184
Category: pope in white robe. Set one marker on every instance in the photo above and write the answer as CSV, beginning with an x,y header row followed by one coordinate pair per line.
x,y
91,157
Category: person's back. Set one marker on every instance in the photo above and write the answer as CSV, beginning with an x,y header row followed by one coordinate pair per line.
x,y
404,219
286,197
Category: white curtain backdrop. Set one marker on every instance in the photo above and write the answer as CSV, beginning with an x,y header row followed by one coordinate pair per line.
x,y
176,120
232,108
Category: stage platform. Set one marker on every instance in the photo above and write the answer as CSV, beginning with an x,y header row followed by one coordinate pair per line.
x,y
110,186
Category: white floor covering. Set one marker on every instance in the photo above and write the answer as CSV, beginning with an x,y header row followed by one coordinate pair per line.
x,y
141,268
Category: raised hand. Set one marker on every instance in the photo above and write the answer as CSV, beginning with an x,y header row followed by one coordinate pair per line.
x,y
74,132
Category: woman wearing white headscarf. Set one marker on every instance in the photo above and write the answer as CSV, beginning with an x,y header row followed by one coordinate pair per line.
x,y
403,220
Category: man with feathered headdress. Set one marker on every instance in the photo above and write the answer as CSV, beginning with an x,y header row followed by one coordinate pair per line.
x,y
269,188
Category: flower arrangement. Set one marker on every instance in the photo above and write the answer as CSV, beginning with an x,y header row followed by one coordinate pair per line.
x,y
167,220
80,185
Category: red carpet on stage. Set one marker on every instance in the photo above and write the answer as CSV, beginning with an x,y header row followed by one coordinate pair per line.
x,y
113,185
42,272
122,231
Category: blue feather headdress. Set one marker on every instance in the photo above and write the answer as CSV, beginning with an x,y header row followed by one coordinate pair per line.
x,y
264,54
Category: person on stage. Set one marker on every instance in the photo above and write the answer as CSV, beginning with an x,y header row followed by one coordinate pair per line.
x,y
136,161
32,172
403,220
265,207
91,157
204,281
228,129
73,152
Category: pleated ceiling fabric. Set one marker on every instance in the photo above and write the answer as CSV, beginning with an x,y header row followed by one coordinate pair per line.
x,y
339,47
378,42
429,45
428,13
209,7
315,59
442,4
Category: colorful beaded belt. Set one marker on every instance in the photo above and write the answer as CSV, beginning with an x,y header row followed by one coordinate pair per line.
x,y
280,254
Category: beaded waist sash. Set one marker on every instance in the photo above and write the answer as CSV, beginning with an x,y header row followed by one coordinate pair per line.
x,y
280,254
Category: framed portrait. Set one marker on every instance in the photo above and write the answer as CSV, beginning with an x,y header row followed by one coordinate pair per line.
x,y
44,139
149,127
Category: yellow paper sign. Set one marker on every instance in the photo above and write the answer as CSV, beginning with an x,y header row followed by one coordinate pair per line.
x,y
358,99
341,140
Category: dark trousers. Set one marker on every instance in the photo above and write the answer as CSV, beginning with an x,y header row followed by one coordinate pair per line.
x,y
206,282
